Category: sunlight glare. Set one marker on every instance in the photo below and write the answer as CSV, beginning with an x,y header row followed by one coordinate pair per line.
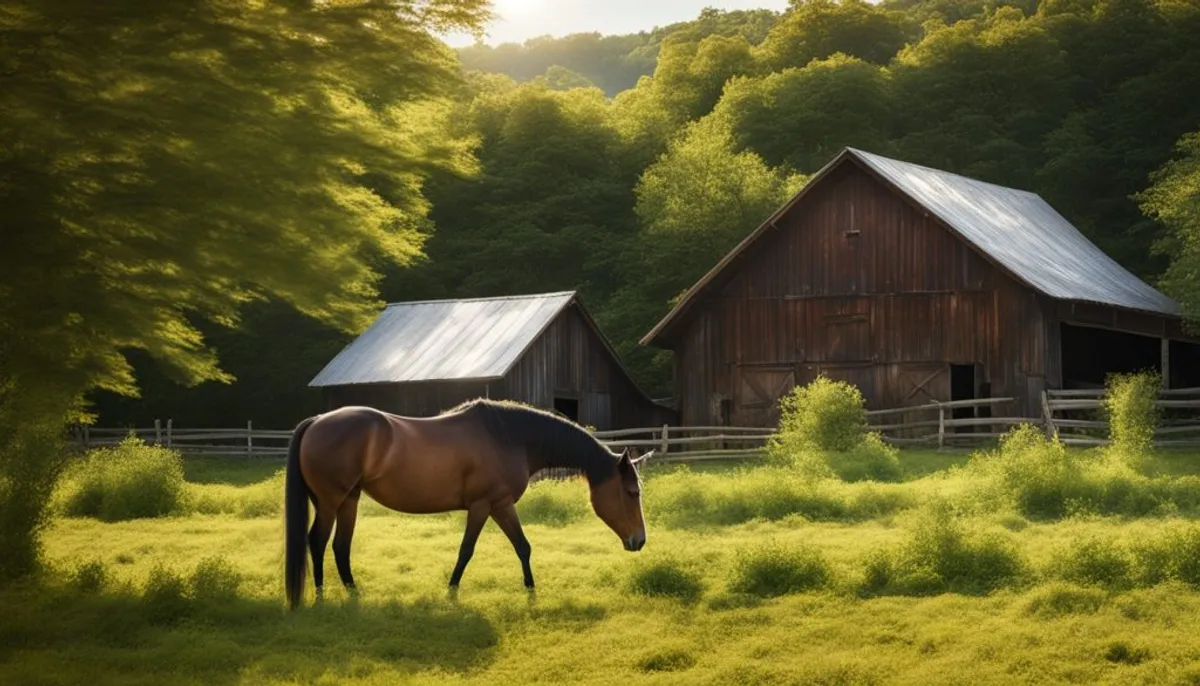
x,y
509,9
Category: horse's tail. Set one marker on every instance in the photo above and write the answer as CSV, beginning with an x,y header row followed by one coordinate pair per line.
x,y
295,509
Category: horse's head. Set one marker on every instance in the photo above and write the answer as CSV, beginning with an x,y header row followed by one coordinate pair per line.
x,y
618,501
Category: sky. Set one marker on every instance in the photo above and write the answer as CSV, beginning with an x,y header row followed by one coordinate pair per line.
x,y
519,20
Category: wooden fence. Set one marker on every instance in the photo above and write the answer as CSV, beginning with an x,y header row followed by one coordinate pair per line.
x,y
1074,416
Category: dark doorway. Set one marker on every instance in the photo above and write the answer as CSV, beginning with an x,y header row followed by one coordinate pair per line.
x,y
1184,364
1090,354
962,387
567,407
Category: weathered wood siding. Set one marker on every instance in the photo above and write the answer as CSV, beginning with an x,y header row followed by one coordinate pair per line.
x,y
856,283
570,360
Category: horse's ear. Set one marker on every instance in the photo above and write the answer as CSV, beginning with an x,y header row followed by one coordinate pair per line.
x,y
643,458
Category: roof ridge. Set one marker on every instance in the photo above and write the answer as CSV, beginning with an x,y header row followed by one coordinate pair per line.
x,y
524,296
941,172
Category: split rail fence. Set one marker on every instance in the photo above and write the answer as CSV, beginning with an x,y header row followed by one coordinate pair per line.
x,y
1075,416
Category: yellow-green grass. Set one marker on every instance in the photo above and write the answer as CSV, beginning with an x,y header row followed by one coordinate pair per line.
x,y
132,621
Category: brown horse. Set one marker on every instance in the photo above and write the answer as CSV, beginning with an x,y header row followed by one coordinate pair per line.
x,y
476,457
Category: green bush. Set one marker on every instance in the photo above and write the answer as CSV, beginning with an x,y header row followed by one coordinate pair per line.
x,y
90,577
129,481
1056,599
871,460
554,503
666,577
773,570
215,579
944,556
164,598
1129,402
824,415
1097,562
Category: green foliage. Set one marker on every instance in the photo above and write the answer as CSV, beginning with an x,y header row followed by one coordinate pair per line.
x,y
129,481
164,598
686,499
215,579
554,503
822,415
1172,200
771,569
944,555
1129,402
161,168
1061,599
1096,562
666,577
90,577
871,460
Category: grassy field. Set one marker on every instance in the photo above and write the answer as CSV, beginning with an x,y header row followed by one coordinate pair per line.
x,y
954,574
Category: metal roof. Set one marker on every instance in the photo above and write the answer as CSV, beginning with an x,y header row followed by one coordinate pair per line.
x,y
1024,234
443,340
1015,229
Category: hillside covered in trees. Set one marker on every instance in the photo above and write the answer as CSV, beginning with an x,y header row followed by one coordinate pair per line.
x,y
625,166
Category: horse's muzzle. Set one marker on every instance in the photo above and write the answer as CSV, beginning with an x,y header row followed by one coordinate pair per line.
x,y
635,542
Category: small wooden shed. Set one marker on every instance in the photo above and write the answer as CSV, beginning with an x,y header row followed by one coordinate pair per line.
x,y
421,358
917,285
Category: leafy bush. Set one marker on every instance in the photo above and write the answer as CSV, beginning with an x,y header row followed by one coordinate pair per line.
x,y
689,499
1097,562
554,503
772,570
215,579
1039,478
129,481
90,577
944,556
164,598
871,460
1129,402
1056,599
824,415
666,577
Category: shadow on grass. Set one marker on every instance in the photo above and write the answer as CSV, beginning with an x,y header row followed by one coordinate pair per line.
x,y
235,471
63,635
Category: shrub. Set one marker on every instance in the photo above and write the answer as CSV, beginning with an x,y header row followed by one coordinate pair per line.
x,y
943,556
665,577
773,570
871,460
90,577
554,503
129,481
1057,599
1096,562
1129,402
164,597
824,415
215,579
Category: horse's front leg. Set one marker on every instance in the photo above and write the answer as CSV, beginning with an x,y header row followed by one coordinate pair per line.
x,y
477,515
510,524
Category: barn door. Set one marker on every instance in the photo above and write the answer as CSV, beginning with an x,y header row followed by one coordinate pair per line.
x,y
759,391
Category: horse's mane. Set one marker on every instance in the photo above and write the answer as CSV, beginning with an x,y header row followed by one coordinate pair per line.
x,y
546,437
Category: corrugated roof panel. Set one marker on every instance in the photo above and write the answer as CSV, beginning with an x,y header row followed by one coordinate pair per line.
x,y
1023,234
443,340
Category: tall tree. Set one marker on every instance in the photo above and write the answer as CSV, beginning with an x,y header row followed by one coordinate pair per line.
x,y
1174,199
166,163
817,29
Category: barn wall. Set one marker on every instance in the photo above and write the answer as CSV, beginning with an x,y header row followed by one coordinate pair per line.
x,y
411,399
570,360
856,283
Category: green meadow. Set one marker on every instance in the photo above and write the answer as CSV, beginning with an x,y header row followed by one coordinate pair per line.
x,y
1025,564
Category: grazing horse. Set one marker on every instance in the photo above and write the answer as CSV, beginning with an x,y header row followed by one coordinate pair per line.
x,y
476,457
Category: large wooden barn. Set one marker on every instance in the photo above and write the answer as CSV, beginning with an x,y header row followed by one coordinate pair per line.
x,y
420,358
916,285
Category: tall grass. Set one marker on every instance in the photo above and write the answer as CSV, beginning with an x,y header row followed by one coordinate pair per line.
x,y
1129,402
131,480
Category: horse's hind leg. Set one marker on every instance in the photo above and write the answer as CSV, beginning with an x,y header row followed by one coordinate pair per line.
x,y
510,524
347,516
318,538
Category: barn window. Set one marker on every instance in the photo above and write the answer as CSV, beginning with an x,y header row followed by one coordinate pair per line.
x,y
567,407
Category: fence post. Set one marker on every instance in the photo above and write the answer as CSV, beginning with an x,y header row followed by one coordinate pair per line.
x,y
87,436
663,445
157,431
249,437
941,427
169,423
1051,430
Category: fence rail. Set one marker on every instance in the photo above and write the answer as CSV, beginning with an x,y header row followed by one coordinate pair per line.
x,y
1075,416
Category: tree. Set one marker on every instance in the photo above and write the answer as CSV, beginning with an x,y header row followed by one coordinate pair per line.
x,y
1173,198
694,205
818,29
163,164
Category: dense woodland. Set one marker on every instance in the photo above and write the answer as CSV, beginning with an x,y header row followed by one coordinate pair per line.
x,y
205,200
